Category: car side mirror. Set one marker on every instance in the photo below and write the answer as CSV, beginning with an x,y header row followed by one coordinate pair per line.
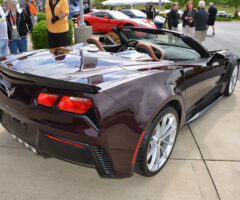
x,y
216,58
107,18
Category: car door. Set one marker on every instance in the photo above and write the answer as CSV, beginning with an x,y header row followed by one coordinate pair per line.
x,y
202,82
98,21
111,22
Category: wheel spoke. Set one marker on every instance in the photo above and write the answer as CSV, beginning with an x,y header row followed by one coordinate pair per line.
x,y
170,123
158,154
169,132
163,125
152,150
166,142
158,131
153,158
164,152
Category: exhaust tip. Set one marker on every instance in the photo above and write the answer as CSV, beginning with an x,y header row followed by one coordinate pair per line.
x,y
33,150
20,141
26,145
14,137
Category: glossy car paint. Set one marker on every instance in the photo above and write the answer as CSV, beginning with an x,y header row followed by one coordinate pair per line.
x,y
128,95
106,24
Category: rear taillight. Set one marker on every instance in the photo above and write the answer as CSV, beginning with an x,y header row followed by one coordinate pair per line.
x,y
46,99
75,104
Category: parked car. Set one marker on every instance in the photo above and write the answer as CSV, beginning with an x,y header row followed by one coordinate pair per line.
x,y
117,107
224,14
163,12
104,21
159,21
133,13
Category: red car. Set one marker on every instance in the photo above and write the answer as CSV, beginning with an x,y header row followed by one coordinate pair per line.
x,y
104,21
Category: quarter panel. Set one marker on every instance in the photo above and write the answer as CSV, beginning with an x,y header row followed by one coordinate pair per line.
x,y
139,101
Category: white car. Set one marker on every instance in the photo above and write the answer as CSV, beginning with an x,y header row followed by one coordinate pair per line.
x,y
159,21
223,14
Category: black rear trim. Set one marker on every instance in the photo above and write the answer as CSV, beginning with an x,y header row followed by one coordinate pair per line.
x,y
104,160
48,82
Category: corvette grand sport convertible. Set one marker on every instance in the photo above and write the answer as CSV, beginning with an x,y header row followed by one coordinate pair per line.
x,y
117,107
104,21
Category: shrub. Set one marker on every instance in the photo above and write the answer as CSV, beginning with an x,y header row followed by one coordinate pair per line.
x,y
235,16
41,16
167,6
71,26
39,34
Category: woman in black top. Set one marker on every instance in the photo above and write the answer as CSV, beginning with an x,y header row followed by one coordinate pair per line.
x,y
172,17
188,19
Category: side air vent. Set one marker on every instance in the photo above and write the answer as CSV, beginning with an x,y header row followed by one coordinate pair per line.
x,y
104,161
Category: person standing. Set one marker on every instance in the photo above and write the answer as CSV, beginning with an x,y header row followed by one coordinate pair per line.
x,y
212,12
188,21
19,26
3,34
172,17
150,11
57,22
201,19
26,8
33,11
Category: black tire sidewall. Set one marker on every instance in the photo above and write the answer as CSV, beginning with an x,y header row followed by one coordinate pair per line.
x,y
87,23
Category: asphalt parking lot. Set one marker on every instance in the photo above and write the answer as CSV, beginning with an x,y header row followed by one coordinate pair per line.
x,y
205,163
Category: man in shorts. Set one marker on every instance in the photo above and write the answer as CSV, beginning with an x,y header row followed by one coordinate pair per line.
x,y
212,12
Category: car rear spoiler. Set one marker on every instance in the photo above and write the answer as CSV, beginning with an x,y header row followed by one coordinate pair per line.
x,y
47,82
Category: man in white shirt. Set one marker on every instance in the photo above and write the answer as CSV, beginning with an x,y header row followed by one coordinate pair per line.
x,y
3,34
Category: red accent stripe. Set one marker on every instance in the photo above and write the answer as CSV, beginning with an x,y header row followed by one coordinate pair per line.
x,y
136,150
64,141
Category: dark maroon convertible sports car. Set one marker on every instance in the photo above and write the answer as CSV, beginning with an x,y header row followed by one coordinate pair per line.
x,y
114,106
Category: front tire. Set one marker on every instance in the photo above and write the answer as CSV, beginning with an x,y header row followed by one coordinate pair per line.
x,y
232,81
158,142
129,25
87,23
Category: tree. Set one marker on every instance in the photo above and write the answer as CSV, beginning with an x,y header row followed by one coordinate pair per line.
x,y
99,5
236,3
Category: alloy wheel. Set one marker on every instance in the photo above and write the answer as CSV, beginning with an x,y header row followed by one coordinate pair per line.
x,y
233,80
162,142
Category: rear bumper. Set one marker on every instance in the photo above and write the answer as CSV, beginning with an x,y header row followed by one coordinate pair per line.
x,y
49,145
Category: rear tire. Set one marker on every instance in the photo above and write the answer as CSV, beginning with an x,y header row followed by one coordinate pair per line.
x,y
158,142
232,81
